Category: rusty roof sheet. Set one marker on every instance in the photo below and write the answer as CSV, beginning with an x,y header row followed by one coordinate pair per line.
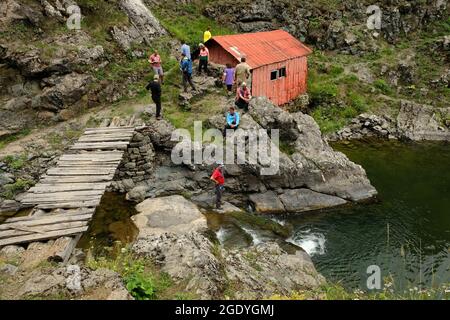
x,y
263,48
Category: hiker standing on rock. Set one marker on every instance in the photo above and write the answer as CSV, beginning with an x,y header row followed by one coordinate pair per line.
x,y
204,57
155,87
155,60
186,69
219,180
242,72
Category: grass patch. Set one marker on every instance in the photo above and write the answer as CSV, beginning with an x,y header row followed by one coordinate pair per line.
x,y
186,21
16,162
14,137
142,279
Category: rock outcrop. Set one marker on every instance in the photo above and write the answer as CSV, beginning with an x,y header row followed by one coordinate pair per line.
x,y
420,122
171,233
332,26
414,122
173,214
144,26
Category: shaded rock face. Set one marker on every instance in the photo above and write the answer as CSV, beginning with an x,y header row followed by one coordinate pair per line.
x,y
13,11
414,122
419,122
340,27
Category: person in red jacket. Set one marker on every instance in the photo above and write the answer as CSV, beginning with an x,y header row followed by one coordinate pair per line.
x,y
219,180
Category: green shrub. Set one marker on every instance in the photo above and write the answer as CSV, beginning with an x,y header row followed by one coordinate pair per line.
x,y
336,70
12,189
381,85
322,93
358,102
141,287
142,281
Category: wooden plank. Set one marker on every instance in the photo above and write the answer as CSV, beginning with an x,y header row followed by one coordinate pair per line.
x,y
104,139
45,188
77,179
75,172
46,221
54,213
110,129
86,167
99,146
68,204
126,135
22,231
52,196
58,248
37,201
91,155
88,163
63,249
46,236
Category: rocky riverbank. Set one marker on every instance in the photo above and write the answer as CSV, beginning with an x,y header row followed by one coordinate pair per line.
x,y
414,122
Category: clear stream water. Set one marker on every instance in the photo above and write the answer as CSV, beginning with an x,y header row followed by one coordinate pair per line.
x,y
406,232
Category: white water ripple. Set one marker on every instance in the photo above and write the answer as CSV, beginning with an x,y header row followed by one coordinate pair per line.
x,y
313,243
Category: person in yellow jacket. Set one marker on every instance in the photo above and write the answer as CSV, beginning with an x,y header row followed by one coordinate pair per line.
x,y
207,35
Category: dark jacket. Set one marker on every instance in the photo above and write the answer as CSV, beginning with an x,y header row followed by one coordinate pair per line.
x,y
155,87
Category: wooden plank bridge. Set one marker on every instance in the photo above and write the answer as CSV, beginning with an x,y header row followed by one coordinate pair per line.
x,y
65,198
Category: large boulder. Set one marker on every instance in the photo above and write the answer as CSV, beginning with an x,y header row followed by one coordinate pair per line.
x,y
420,122
314,164
168,214
267,202
299,200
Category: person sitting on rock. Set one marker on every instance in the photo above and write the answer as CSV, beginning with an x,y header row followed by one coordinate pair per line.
x,y
219,180
186,69
233,120
155,87
243,97
203,59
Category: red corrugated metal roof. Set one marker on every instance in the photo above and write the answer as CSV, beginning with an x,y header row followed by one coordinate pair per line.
x,y
263,48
